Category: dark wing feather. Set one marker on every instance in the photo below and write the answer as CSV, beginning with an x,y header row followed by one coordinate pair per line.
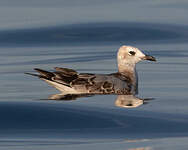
x,y
66,71
44,74
62,75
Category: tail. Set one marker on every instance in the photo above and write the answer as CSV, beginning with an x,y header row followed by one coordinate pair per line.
x,y
32,74
42,74
49,77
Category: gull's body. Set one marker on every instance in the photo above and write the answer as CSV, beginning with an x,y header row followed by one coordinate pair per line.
x,y
125,81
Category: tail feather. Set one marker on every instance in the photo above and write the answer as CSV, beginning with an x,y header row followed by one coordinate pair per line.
x,y
37,75
55,79
44,73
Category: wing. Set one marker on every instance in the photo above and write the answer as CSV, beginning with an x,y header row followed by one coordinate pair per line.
x,y
101,84
62,75
86,82
92,83
82,82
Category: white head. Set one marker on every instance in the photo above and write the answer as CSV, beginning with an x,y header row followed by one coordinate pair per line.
x,y
128,55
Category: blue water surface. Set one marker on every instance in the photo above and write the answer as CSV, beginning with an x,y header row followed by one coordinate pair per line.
x,y
64,34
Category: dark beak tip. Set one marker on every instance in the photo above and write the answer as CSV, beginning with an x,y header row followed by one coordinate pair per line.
x,y
150,58
154,59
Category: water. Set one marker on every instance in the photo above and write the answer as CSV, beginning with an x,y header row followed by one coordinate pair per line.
x,y
30,121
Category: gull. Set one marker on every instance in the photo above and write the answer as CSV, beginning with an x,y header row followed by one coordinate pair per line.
x,y
123,82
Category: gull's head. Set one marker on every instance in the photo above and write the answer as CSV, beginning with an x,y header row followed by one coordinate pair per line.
x,y
131,55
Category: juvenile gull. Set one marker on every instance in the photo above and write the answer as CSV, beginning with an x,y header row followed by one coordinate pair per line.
x,y
125,81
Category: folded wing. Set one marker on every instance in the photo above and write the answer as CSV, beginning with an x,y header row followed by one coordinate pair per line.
x,y
86,82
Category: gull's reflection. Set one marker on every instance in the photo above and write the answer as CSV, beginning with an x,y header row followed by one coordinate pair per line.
x,y
67,97
128,101
125,101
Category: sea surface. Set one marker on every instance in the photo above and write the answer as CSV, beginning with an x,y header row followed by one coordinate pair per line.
x,y
29,120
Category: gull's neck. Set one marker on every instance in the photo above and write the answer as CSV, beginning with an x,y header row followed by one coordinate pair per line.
x,y
129,70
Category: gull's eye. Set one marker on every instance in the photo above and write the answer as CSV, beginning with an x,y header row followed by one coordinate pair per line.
x,y
132,53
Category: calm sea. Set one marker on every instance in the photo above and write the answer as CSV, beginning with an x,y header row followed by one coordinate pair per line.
x,y
36,36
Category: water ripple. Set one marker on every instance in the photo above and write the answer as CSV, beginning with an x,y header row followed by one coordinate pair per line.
x,y
93,32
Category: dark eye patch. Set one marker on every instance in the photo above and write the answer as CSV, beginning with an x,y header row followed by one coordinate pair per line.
x,y
132,52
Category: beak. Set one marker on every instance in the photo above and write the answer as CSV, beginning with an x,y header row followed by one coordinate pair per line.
x,y
150,58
